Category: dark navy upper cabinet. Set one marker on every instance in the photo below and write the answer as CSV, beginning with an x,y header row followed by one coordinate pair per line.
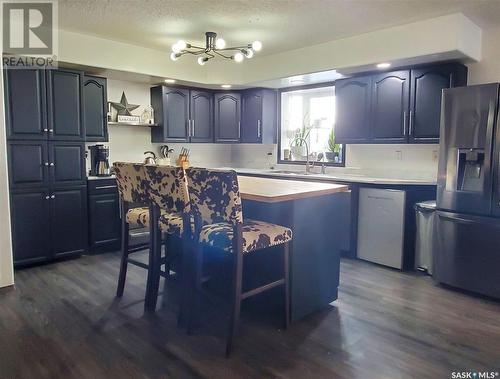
x,y
390,101
25,104
65,104
425,101
394,107
258,116
201,116
171,107
94,104
227,116
353,105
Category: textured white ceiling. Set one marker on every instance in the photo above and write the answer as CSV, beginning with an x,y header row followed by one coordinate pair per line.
x,y
280,24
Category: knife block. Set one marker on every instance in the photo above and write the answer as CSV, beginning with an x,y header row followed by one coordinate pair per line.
x,y
183,161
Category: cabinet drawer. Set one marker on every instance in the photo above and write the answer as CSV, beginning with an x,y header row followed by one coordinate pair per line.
x,y
102,186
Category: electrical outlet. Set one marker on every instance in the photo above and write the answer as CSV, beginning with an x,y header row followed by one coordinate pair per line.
x,y
435,155
399,155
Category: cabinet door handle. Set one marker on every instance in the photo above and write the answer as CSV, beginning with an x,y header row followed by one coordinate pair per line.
x,y
51,130
46,163
53,196
189,127
47,197
52,164
404,123
239,129
105,187
259,130
411,123
45,130
192,126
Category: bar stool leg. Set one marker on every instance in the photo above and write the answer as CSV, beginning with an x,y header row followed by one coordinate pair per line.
x,y
154,263
236,306
286,269
195,285
124,259
186,275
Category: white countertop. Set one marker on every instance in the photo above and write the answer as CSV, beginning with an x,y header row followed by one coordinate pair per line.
x,y
347,177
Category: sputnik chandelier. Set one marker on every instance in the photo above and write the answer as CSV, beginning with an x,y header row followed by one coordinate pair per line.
x,y
214,47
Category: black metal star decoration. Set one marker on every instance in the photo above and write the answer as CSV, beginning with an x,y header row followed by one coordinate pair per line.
x,y
123,107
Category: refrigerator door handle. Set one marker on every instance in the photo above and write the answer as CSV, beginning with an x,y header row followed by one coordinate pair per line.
x,y
459,220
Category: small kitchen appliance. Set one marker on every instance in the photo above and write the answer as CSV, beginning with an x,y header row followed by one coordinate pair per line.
x,y
99,164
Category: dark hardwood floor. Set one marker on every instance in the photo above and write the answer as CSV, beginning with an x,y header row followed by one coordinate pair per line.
x,y
63,321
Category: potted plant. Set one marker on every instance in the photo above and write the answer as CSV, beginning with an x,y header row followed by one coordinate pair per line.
x,y
333,152
298,144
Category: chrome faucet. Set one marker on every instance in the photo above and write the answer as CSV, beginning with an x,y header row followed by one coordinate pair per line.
x,y
308,166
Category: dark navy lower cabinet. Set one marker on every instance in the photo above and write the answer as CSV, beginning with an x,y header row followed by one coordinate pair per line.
x,y
30,223
48,224
104,216
68,208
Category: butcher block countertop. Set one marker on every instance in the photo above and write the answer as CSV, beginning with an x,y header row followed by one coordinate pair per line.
x,y
270,190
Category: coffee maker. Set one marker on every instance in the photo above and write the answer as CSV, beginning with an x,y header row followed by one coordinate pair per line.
x,y
99,165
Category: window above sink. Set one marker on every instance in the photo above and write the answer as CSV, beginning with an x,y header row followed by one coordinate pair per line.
x,y
308,118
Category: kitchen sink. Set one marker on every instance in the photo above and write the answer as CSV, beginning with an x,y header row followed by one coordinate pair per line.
x,y
288,172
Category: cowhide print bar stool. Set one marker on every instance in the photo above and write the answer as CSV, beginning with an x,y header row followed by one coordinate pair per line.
x,y
168,195
216,208
133,189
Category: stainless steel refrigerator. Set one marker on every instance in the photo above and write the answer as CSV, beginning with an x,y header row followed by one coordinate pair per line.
x,y
467,250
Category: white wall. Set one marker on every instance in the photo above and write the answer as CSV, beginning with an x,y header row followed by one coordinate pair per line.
x,y
488,69
6,265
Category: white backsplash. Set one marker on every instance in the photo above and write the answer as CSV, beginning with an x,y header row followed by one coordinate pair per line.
x,y
398,161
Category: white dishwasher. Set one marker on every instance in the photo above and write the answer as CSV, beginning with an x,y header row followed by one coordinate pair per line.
x,y
381,218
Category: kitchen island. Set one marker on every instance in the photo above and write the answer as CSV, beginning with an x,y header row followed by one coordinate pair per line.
x,y
313,211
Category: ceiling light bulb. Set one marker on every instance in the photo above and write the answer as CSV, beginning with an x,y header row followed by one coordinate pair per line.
x,y
249,53
384,65
220,43
202,61
174,56
175,48
238,57
257,45
181,44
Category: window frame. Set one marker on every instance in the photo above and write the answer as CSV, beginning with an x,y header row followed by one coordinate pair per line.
x,y
290,162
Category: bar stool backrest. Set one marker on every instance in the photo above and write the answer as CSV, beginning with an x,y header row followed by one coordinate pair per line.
x,y
168,188
132,182
214,196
